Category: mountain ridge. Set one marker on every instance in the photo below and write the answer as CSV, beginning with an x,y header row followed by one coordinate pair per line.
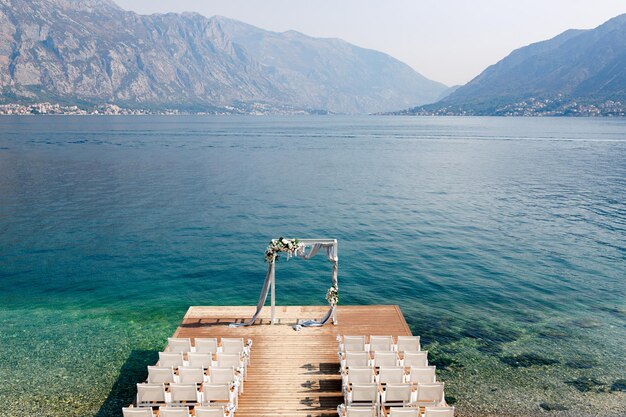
x,y
576,67
94,52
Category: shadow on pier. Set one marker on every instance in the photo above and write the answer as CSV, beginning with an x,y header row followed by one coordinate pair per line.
x,y
199,323
123,391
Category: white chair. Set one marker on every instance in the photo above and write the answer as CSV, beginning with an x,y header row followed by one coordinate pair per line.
x,y
408,344
355,359
361,411
415,359
380,343
362,394
236,345
396,394
430,394
222,375
178,345
423,375
231,360
191,375
182,394
205,345
226,375
404,412
218,393
174,412
232,345
382,358
160,375
358,375
149,395
171,360
212,411
199,359
390,374
137,412
351,343
438,412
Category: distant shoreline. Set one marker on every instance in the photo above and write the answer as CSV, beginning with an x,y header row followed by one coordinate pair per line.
x,y
531,107
108,109
605,110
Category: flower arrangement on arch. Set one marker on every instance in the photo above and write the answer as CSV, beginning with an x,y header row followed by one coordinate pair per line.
x,y
290,246
332,295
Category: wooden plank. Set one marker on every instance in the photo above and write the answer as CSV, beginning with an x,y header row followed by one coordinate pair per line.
x,y
292,373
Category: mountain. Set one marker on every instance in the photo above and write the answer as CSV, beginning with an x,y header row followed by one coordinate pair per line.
x,y
332,72
577,66
92,51
448,91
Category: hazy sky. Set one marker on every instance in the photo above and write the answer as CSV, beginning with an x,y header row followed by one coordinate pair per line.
x,y
450,41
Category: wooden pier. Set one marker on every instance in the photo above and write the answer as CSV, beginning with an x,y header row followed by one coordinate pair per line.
x,y
292,373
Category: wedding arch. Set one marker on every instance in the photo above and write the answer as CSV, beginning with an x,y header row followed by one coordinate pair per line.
x,y
304,249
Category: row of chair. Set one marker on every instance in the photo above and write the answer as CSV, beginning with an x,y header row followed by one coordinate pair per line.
x,y
174,394
204,360
209,411
372,411
383,358
192,375
389,374
395,394
379,343
208,345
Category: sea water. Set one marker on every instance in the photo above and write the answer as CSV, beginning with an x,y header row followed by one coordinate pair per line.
x,y
502,239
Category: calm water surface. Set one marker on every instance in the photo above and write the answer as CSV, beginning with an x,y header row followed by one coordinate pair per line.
x,y
503,240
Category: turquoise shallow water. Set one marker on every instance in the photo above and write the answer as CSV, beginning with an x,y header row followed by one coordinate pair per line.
x,y
503,240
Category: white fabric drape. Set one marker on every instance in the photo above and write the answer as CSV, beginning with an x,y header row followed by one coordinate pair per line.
x,y
264,292
331,255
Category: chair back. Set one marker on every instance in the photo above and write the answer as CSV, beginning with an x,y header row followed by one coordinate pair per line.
x,y
391,374
172,360
365,393
380,343
219,375
160,375
206,344
416,358
404,412
178,345
353,343
360,411
360,358
216,392
360,375
174,412
430,393
150,393
184,393
137,412
232,345
408,344
199,359
398,393
212,411
439,412
423,374
229,359
382,358
190,375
